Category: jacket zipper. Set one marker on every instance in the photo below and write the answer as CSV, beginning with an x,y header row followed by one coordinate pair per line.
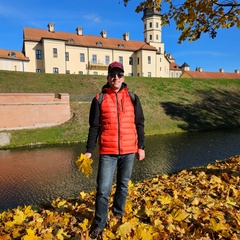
x,y
118,125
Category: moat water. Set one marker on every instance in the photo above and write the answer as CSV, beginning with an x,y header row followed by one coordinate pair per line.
x,y
39,175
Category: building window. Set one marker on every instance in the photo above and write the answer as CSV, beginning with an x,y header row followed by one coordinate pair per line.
x,y
159,49
12,54
107,60
80,72
150,37
130,61
55,70
138,60
95,73
70,40
149,60
38,54
120,59
149,74
144,26
94,59
160,69
67,71
156,24
82,57
99,44
67,56
55,54
120,45
38,70
156,37
150,25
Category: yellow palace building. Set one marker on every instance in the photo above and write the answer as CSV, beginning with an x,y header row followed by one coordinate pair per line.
x,y
51,51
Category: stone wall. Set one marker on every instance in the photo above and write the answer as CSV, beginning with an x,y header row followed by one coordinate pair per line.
x,y
33,110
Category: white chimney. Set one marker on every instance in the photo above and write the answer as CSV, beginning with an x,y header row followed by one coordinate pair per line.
x,y
79,31
236,71
126,36
221,70
51,27
103,33
199,69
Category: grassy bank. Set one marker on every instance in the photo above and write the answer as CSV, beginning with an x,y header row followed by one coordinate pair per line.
x,y
170,105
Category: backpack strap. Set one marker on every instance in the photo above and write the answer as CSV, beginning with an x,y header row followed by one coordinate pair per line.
x,y
100,97
132,96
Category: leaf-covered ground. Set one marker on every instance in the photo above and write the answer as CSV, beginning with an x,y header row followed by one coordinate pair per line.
x,y
199,203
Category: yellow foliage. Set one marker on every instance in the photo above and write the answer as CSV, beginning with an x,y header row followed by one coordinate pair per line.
x,y
124,230
61,203
83,195
31,235
84,225
16,232
61,234
237,218
19,217
84,164
187,205
180,215
217,226
165,199
47,236
128,207
108,235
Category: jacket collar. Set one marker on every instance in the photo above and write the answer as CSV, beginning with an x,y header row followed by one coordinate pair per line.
x,y
124,85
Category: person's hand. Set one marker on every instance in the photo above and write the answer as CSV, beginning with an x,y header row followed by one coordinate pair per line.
x,y
140,155
88,154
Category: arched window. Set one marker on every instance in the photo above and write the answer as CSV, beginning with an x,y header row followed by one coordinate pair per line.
x,y
121,45
70,40
99,44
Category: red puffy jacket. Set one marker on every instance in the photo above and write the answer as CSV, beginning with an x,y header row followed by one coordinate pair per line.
x,y
118,133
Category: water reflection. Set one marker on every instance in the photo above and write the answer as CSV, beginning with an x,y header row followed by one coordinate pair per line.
x,y
39,175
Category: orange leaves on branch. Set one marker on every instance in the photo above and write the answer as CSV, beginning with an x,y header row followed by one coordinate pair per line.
x,y
84,165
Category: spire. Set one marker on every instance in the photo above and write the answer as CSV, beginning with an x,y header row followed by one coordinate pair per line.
x,y
150,12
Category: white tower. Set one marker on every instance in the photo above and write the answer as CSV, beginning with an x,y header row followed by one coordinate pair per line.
x,y
153,36
153,28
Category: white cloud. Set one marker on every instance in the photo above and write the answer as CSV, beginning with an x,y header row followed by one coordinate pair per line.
x,y
93,18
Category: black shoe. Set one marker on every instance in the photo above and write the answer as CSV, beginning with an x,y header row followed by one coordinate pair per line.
x,y
95,234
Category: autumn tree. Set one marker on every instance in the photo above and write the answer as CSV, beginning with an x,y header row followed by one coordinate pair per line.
x,y
194,17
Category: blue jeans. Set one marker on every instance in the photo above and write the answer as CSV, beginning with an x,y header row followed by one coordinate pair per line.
x,y
106,169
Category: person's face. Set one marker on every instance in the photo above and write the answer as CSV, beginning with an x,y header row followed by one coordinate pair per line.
x,y
115,79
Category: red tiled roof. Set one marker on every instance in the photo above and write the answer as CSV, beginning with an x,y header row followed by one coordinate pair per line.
x,y
175,66
197,74
19,55
34,34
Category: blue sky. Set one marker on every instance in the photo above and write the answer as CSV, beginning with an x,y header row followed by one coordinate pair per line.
x,y
110,15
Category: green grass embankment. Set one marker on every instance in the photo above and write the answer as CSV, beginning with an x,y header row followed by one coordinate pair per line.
x,y
170,105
